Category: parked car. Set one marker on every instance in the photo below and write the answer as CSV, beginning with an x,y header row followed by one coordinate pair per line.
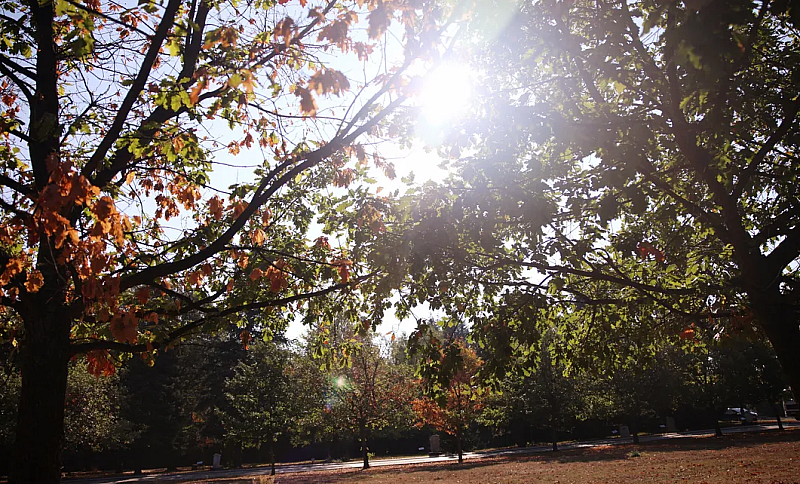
x,y
740,414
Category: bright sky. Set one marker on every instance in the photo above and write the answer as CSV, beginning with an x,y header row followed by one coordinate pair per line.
x,y
445,96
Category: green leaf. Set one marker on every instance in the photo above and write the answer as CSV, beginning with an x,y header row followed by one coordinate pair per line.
x,y
174,47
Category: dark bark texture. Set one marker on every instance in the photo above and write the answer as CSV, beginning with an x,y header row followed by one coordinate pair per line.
x,y
40,421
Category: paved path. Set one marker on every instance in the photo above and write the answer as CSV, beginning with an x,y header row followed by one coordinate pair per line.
x,y
284,468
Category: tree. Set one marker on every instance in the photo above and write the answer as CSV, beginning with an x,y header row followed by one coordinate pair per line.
x,y
548,396
317,422
454,399
172,402
109,132
93,420
369,394
647,145
155,403
10,383
204,364
263,398
749,372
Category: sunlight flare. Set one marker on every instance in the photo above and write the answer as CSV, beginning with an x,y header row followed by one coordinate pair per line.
x,y
446,94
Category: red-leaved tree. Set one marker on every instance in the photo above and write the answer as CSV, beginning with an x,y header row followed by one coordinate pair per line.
x,y
455,399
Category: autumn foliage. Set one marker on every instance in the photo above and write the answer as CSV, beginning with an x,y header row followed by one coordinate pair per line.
x,y
122,226
453,405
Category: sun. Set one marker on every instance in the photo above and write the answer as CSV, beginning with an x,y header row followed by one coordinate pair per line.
x,y
446,94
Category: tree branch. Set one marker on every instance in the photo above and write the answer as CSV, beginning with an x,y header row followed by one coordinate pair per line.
x,y
784,254
596,275
786,124
96,161
21,85
260,197
186,329
20,69
18,187
108,18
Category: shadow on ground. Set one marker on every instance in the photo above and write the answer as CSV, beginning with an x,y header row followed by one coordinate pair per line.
x,y
594,454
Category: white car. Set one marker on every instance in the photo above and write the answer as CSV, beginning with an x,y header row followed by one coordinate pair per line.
x,y
741,414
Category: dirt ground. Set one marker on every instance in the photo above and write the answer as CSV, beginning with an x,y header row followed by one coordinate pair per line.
x,y
769,458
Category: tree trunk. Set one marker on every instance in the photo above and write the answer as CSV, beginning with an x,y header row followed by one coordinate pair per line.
x,y
272,457
777,414
40,418
138,467
45,346
779,320
232,454
460,449
554,437
635,427
364,448
717,428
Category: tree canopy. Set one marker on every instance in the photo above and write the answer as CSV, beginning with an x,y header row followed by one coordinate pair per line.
x,y
627,179
624,159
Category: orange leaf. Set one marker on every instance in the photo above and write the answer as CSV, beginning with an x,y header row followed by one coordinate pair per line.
x,y
646,248
99,364
194,94
256,274
322,242
258,237
308,105
195,278
104,208
285,29
215,207
13,267
178,144
379,20
277,276
124,327
238,208
343,267
328,81
35,281
248,80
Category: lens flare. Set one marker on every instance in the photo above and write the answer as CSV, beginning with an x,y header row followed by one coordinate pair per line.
x,y
446,94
